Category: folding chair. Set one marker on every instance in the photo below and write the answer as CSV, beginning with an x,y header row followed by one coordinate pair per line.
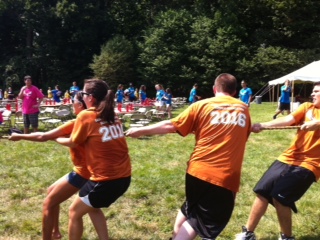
x,y
6,119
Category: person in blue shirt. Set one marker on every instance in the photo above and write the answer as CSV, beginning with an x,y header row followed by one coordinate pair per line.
x,y
56,94
142,94
132,96
120,94
245,93
193,94
284,102
168,100
73,90
160,101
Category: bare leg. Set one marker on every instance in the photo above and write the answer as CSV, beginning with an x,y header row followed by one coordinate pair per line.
x,y
56,230
186,232
77,210
275,116
285,218
180,219
58,192
258,209
100,223
26,130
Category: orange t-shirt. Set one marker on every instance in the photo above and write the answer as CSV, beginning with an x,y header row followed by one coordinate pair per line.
x,y
106,150
77,153
305,147
221,126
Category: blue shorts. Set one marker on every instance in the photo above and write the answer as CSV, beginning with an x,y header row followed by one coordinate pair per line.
x,y
76,180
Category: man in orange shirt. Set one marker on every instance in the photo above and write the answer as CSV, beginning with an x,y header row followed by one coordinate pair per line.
x,y
291,175
221,125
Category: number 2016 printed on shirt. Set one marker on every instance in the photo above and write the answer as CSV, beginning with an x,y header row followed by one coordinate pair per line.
x,y
111,132
224,117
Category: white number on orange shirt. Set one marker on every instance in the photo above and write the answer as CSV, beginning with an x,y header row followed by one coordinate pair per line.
x,y
111,132
236,118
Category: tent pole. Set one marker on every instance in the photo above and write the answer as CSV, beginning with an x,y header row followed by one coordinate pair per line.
x,y
292,96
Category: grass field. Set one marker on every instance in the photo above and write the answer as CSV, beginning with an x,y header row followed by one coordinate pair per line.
x,y
148,209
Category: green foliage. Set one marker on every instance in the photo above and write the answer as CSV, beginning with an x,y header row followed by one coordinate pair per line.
x,y
164,51
175,42
114,64
268,63
148,209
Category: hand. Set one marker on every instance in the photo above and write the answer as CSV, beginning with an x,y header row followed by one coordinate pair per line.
x,y
310,126
23,88
132,132
256,128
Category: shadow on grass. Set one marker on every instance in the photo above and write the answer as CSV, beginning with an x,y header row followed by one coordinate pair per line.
x,y
144,138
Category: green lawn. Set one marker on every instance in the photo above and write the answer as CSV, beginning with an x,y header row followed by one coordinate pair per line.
x,y
148,209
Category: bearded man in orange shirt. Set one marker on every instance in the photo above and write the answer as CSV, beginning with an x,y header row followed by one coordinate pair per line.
x,y
291,175
221,126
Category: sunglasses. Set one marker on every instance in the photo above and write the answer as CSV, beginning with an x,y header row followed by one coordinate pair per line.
x,y
84,93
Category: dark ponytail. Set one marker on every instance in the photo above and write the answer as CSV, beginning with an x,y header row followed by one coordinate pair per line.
x,y
104,99
105,109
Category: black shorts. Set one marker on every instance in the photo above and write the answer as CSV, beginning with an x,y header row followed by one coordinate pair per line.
x,y
103,194
284,106
285,183
30,119
208,207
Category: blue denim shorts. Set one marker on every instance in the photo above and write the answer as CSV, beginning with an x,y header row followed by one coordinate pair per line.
x,y
76,180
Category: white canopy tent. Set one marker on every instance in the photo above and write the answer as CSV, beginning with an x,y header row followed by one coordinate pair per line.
x,y
307,74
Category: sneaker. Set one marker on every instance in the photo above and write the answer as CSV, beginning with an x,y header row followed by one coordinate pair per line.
x,y
283,237
245,235
275,116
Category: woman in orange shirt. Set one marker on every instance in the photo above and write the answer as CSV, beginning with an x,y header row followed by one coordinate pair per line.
x,y
67,185
107,156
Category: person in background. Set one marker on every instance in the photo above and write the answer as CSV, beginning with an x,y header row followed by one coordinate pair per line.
x,y
160,101
1,94
57,94
193,94
120,94
245,93
5,94
284,102
10,94
49,92
73,90
142,94
66,95
31,101
294,171
168,98
100,131
221,126
132,96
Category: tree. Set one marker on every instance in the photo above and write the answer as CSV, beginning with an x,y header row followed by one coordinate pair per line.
x,y
114,64
268,63
164,52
